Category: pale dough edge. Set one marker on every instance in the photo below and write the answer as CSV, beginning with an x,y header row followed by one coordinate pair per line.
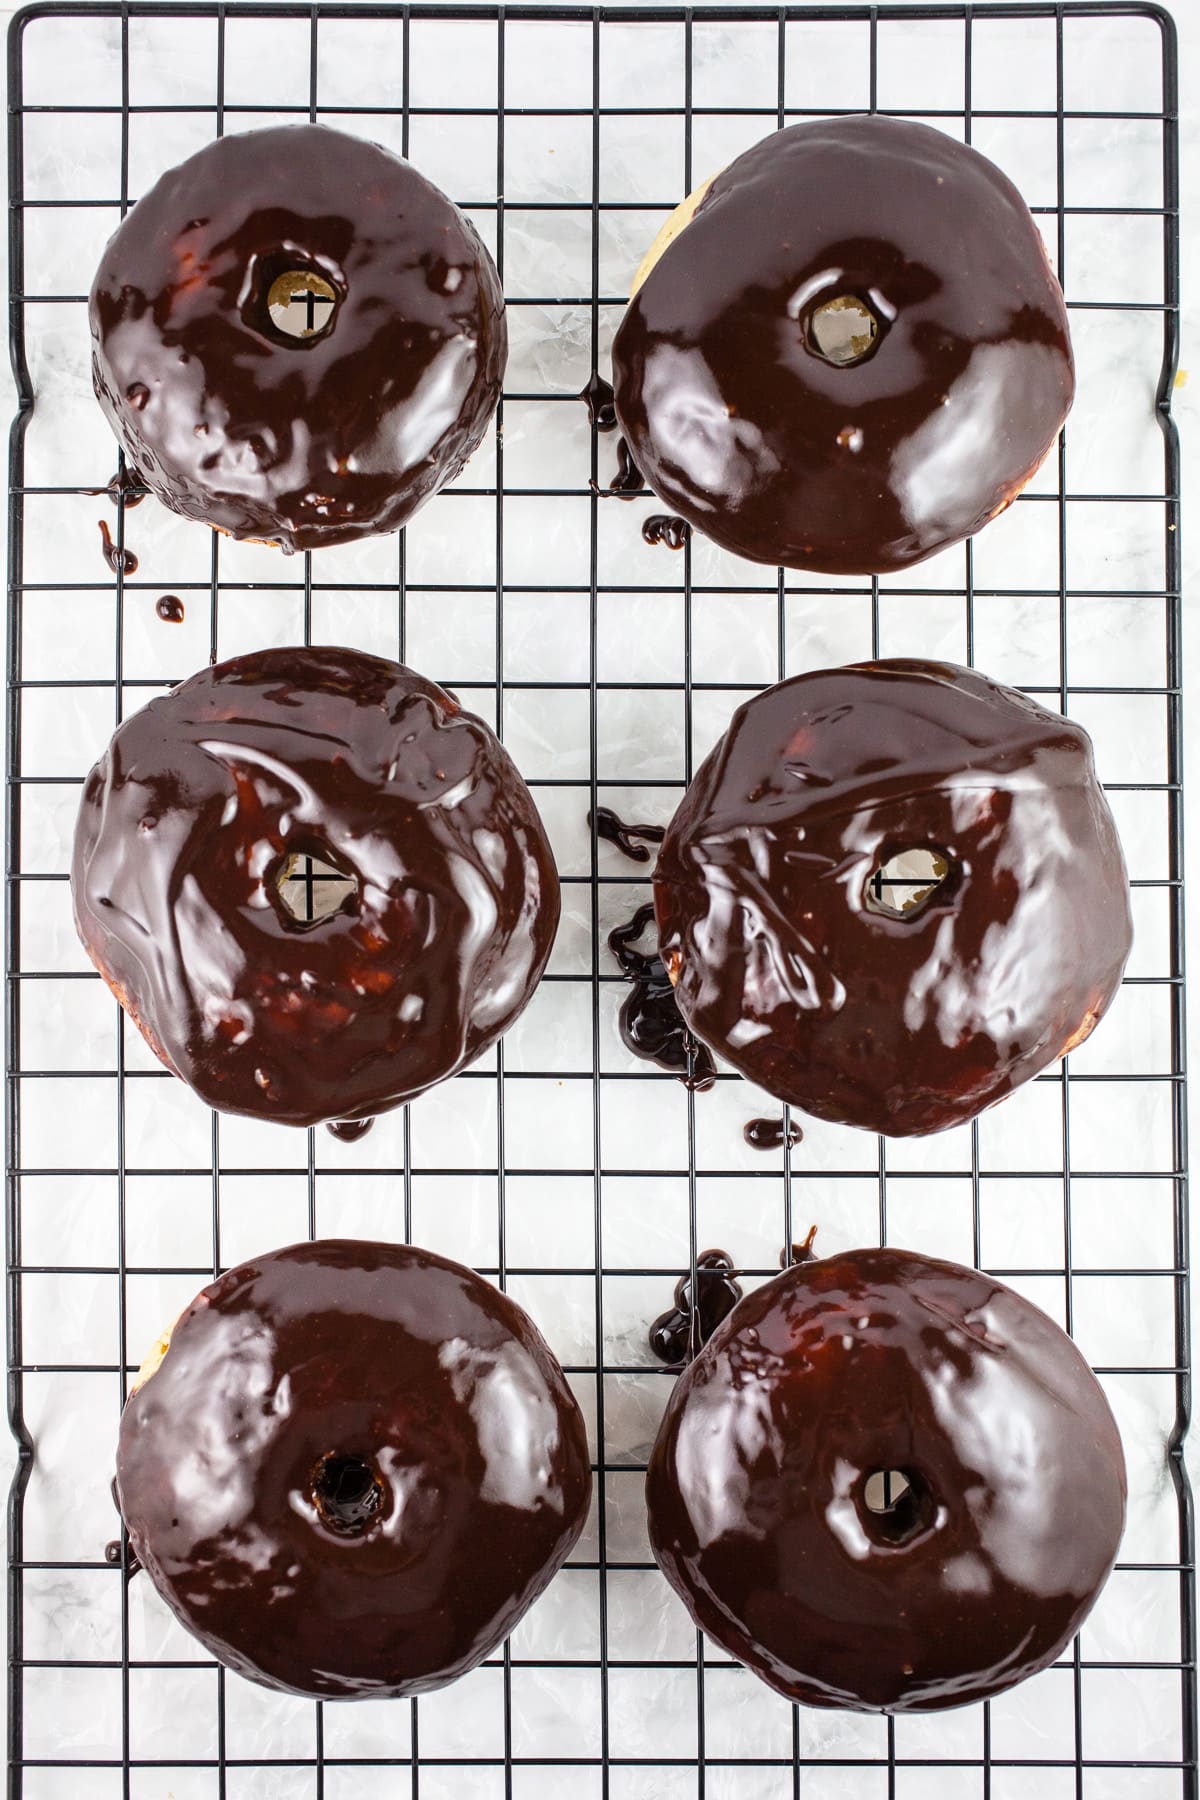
x,y
679,220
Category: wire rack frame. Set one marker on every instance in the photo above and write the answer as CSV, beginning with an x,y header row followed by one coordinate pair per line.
x,y
889,1764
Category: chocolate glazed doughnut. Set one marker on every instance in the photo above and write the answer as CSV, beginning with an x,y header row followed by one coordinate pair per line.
x,y
760,1495
300,440
854,354
194,814
909,1020
353,1469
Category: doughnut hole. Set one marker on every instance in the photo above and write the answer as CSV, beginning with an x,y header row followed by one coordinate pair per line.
x,y
346,1492
289,302
312,888
895,1505
843,330
902,886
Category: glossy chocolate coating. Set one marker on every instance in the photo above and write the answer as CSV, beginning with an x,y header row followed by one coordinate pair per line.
x,y
307,441
880,1360
628,479
195,811
900,1025
784,457
124,489
381,1359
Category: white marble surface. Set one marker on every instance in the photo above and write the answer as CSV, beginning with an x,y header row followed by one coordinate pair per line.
x,y
73,1319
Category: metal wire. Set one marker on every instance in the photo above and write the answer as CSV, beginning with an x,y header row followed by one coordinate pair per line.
x,y
709,1773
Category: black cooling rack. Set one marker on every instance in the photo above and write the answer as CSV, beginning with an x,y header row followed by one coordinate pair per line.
x,y
602,1696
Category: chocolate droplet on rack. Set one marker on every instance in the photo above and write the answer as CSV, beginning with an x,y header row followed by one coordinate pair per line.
x,y
614,831
628,479
126,485
679,1333
799,1253
597,396
170,609
121,562
112,1556
349,1130
649,1021
771,1134
668,529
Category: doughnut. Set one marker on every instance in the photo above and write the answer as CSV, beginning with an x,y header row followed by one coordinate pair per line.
x,y
790,961
846,351
231,418
769,1517
192,822
352,1469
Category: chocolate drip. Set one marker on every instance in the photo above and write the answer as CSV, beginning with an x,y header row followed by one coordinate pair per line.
x,y
349,1130
666,528
121,562
650,1021
597,396
628,479
678,1334
615,831
170,609
771,1134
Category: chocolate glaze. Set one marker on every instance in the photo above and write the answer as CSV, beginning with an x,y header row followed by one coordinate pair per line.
x,y
677,1335
170,609
349,1130
193,814
900,1025
307,441
356,1467
615,831
880,1360
785,457
628,479
771,1134
121,562
649,1021
664,528
597,396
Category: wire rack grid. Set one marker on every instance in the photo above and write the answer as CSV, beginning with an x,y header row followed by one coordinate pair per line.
x,y
581,1180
